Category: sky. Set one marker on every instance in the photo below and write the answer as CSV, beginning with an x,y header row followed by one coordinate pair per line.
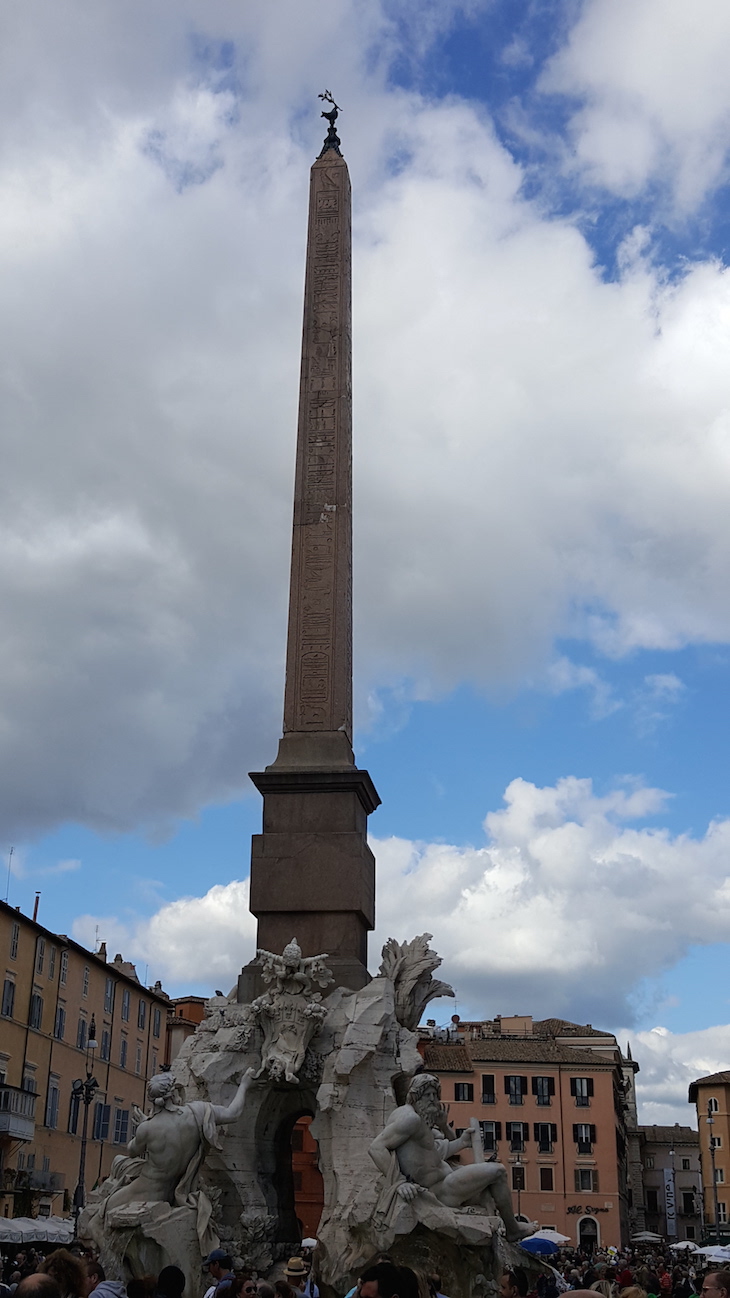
x,y
542,482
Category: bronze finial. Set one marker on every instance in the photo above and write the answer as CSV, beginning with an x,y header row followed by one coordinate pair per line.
x,y
332,139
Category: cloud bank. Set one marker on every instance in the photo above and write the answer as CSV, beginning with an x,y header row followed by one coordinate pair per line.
x,y
538,451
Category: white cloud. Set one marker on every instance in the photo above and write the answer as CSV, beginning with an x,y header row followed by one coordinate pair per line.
x,y
668,1063
193,940
537,451
653,99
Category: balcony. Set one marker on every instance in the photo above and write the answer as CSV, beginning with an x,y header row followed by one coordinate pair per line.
x,y
17,1113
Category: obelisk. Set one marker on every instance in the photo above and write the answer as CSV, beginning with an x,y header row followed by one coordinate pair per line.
x,y
312,872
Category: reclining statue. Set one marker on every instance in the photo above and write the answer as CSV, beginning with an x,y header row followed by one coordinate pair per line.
x,y
420,1152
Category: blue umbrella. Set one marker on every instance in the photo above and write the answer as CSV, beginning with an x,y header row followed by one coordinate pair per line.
x,y
544,1247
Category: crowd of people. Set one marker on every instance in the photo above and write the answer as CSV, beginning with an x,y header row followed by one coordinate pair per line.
x,y
626,1275
75,1273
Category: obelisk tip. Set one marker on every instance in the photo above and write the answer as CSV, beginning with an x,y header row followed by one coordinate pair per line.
x,y
332,139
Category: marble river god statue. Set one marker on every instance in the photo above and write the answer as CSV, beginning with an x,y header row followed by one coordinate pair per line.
x,y
417,1139
151,1212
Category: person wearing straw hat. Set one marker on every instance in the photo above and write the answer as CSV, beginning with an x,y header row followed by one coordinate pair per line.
x,y
297,1274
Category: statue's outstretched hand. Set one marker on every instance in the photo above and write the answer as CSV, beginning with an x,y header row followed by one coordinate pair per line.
x,y
408,1190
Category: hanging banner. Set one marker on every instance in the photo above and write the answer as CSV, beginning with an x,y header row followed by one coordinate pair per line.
x,y
670,1201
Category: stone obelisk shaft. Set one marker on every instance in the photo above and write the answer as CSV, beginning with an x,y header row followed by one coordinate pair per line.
x,y
312,872
318,696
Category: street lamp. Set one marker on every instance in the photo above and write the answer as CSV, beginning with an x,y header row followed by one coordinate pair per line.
x,y
84,1090
710,1122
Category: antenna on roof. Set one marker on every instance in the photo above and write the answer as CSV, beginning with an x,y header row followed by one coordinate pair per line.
x,y
10,862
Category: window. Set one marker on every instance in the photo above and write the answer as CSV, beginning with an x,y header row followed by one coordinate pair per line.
x,y
518,1178
489,1095
21,1161
52,1102
35,1017
716,1142
712,1106
46,1164
688,1203
138,1061
121,1126
652,1201
109,996
582,1089
105,1045
649,1162
8,998
543,1088
73,1114
86,981
463,1090
586,1180
491,1134
102,1114
81,1034
721,1213
31,1162
686,1165
691,1234
156,1021
584,1135
14,939
40,954
52,963
546,1178
516,1089
29,1084
546,1133
123,1053
59,1027
126,1000
154,1062
141,1015
516,1135
64,968
719,1176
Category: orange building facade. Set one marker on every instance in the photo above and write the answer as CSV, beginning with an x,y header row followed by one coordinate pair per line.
x,y
555,1104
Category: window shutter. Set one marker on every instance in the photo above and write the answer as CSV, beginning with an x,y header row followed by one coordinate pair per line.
x,y
589,1080
506,1084
577,1181
551,1085
593,1134
523,1085
487,1083
509,1128
536,1130
553,1132
573,1081
595,1181
498,1131
524,1130
576,1133
534,1086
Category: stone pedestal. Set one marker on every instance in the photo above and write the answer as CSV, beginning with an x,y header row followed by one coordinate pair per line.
x,y
312,872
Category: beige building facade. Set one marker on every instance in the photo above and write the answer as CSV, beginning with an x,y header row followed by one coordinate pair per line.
x,y
711,1098
54,992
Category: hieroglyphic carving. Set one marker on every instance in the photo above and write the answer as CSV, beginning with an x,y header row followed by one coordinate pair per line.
x,y
319,660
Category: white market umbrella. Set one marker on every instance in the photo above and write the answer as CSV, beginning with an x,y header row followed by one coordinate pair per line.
x,y
684,1244
10,1232
553,1236
647,1237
